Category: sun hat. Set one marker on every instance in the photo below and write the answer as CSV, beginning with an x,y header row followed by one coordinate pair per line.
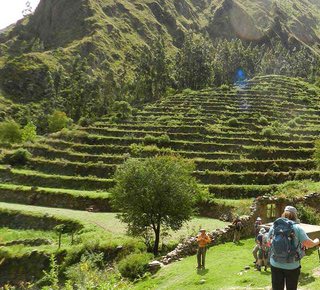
x,y
259,219
291,209
262,231
202,230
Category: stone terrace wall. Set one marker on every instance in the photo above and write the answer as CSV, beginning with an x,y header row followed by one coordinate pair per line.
x,y
189,246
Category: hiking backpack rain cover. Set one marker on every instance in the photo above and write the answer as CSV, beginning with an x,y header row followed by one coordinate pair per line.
x,y
283,249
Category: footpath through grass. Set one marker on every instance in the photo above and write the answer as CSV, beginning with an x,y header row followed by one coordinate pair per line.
x,y
113,226
225,269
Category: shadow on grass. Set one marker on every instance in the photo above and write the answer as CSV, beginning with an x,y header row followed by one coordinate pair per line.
x,y
202,272
239,244
306,278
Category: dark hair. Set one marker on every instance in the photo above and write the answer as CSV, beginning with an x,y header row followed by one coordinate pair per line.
x,y
290,215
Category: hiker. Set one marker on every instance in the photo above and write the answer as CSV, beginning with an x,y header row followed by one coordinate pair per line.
x,y
288,238
256,248
238,226
257,225
264,247
203,240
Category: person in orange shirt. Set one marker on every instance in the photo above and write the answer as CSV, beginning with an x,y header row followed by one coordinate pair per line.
x,y
203,239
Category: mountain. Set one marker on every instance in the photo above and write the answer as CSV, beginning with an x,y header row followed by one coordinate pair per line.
x,y
110,33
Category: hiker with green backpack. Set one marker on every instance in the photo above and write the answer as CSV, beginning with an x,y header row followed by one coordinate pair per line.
x,y
287,240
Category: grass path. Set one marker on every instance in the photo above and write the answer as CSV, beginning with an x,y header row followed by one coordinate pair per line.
x,y
112,225
225,269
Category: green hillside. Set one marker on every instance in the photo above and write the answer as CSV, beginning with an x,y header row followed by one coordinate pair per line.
x,y
69,53
245,142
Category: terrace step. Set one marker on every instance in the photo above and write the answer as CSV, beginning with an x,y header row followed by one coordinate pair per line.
x,y
254,178
35,178
54,197
72,168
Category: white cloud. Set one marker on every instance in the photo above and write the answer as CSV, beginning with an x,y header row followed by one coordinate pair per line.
x,y
11,10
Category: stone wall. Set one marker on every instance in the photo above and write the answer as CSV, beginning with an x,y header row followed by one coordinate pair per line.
x,y
257,209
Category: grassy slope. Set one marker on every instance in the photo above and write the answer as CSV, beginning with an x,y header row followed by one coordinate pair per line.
x,y
225,267
113,226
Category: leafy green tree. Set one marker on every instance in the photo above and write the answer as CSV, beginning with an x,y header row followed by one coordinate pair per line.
x,y
154,193
29,132
10,132
58,120
122,109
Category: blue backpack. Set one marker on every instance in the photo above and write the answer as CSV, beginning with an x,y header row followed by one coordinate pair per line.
x,y
283,249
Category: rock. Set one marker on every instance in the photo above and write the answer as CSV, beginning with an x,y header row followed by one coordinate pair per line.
x,y
154,266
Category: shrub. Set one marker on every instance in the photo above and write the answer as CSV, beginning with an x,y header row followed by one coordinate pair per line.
x,y
134,265
29,132
122,109
233,122
10,132
187,91
58,120
224,87
292,124
150,139
17,157
164,139
198,122
263,121
194,111
268,132
308,215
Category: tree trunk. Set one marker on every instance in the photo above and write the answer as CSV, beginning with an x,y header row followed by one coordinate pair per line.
x,y
157,240
60,234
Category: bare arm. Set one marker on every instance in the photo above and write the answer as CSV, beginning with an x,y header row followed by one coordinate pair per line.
x,y
311,243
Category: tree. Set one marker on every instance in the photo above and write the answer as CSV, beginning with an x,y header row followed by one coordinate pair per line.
x,y
57,121
29,132
10,132
154,193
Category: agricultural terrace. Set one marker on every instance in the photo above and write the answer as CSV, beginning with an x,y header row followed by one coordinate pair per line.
x,y
246,141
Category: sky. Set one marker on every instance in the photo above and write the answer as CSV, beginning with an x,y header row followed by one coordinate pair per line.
x,y
11,10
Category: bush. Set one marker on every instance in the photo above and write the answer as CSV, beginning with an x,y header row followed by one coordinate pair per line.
x,y
308,215
224,87
10,132
150,139
233,122
198,122
122,109
292,124
164,140
29,132
58,120
263,121
268,132
134,265
17,157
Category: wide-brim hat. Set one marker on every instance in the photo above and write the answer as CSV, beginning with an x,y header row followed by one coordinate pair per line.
x,y
262,231
292,209
259,219
202,230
